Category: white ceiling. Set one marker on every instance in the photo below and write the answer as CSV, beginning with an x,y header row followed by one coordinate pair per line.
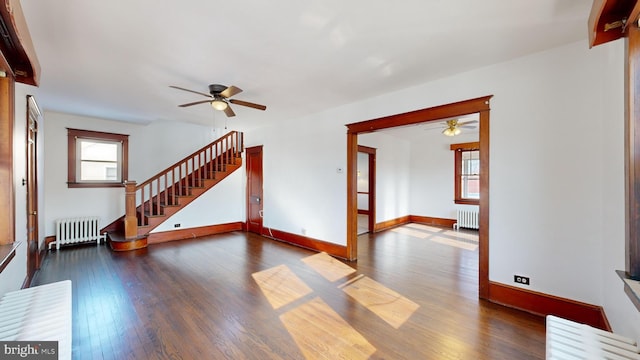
x,y
115,59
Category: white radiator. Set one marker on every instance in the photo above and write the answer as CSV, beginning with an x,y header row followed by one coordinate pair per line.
x,y
467,218
40,313
570,340
77,230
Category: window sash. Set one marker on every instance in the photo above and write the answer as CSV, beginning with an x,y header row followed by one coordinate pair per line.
x,y
92,167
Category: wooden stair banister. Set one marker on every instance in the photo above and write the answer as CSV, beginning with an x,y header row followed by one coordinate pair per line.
x,y
147,204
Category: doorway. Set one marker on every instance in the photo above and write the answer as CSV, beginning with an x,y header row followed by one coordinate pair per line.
x,y
478,105
254,189
366,189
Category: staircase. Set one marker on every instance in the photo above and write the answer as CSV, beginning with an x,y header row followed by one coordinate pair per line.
x,y
152,202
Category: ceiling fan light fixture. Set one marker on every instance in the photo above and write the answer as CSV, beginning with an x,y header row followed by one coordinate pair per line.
x,y
451,131
219,104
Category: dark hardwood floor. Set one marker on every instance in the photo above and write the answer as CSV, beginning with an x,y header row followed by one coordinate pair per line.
x,y
198,299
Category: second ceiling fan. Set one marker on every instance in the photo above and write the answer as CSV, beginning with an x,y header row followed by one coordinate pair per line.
x,y
219,96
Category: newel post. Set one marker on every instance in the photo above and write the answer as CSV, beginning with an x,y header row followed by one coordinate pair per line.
x,y
130,217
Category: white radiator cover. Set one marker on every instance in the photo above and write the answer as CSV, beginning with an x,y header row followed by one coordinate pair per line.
x,y
571,340
77,230
40,313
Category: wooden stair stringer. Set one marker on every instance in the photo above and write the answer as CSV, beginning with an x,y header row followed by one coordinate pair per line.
x,y
183,200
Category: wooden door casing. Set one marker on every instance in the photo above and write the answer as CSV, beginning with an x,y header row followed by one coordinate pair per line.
x,y
254,189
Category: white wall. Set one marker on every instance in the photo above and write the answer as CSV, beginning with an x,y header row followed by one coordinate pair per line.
x,y
224,203
553,186
152,148
393,174
304,166
432,170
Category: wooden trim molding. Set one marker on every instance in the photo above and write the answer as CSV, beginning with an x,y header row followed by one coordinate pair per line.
x,y
73,135
390,224
17,47
192,233
307,242
7,190
478,105
543,304
7,252
427,220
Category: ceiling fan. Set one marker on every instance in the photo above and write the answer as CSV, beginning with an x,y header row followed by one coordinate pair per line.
x,y
453,126
219,98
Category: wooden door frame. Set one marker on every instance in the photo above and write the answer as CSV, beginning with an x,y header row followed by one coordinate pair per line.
x,y
478,105
31,176
248,150
371,156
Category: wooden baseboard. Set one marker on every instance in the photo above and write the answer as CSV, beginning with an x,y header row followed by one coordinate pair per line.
x,y
385,225
427,220
307,242
543,304
190,233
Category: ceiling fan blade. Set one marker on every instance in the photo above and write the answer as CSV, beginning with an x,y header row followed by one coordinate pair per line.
x,y
467,122
193,91
195,103
230,91
229,112
249,104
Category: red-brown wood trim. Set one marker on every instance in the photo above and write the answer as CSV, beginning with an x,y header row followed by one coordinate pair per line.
x,y
457,171
372,185
479,105
389,224
307,242
483,208
632,152
468,146
363,212
21,56
419,116
7,252
72,134
7,191
129,245
352,197
192,233
605,13
428,220
543,304
224,138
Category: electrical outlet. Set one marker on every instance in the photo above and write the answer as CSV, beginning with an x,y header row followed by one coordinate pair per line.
x,y
176,225
521,279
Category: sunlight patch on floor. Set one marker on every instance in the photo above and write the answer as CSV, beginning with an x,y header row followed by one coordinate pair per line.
x,y
280,285
327,266
321,333
462,235
424,227
390,306
415,233
456,243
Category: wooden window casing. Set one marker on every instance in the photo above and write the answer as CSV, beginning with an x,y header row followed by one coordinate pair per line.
x,y
72,174
458,150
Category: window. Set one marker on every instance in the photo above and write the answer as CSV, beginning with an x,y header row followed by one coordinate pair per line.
x,y
467,173
96,159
